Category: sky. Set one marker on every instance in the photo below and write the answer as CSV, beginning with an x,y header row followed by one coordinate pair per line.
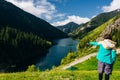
x,y
61,12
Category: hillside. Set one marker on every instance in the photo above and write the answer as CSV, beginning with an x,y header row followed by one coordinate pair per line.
x,y
15,17
20,49
68,27
92,62
112,27
82,31
84,71
24,38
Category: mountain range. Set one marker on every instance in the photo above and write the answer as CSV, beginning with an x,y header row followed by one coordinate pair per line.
x,y
68,27
83,29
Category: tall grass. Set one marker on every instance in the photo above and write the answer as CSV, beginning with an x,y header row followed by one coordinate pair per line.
x,y
56,75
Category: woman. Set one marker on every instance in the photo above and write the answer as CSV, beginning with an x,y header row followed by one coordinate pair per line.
x,y
106,56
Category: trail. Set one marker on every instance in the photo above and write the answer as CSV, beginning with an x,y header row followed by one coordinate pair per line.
x,y
82,59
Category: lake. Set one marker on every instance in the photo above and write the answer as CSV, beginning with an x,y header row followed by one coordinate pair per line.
x,y
57,52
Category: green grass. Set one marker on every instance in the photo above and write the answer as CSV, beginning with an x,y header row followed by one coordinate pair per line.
x,y
117,63
56,75
85,71
91,64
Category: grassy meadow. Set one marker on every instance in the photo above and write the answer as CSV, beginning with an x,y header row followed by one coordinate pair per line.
x,y
91,64
56,75
84,71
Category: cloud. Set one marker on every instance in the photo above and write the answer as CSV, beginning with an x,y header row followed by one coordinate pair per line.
x,y
72,18
46,10
39,8
60,1
115,4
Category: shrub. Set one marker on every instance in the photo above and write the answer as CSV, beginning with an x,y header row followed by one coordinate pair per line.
x,y
32,68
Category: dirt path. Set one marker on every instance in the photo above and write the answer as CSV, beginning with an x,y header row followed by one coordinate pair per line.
x,y
82,59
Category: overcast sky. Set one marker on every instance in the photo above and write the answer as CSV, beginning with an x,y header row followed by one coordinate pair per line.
x,y
61,12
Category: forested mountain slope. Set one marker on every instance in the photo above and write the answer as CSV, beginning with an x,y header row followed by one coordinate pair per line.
x,y
23,37
15,17
82,31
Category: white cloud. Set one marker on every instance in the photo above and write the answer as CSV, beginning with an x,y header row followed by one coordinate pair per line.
x,y
60,15
115,4
46,10
39,8
61,1
72,18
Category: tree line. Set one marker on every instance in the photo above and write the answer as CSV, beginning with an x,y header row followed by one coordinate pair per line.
x,y
20,48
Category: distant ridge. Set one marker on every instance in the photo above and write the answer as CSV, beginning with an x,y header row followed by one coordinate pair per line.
x,y
93,23
68,27
15,17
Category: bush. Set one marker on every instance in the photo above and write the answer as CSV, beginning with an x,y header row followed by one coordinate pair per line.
x,y
32,68
70,57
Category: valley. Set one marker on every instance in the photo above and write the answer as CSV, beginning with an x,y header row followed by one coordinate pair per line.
x,y
31,48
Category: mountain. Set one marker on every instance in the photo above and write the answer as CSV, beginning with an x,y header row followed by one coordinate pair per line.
x,y
15,17
23,37
93,23
112,27
68,27
114,30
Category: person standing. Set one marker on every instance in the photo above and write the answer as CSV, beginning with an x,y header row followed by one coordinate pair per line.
x,y
106,56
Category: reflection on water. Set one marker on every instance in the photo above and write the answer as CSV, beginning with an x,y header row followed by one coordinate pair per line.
x,y
57,52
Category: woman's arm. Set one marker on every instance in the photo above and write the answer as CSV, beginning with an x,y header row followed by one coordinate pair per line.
x,y
94,43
